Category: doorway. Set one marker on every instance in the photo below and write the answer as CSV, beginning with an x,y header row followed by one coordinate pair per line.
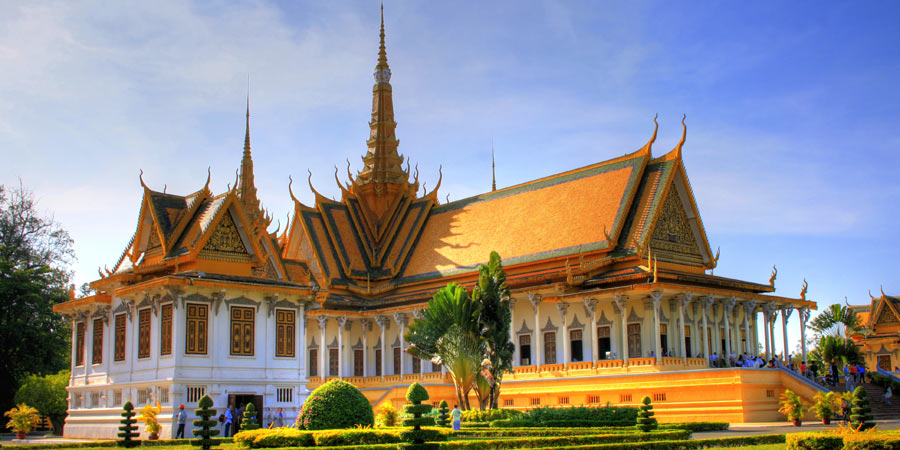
x,y
241,400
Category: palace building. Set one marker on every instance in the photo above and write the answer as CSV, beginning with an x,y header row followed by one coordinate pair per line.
x,y
608,264
879,337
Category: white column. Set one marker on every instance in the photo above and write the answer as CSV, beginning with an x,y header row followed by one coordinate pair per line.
x,y
400,318
512,332
768,342
590,307
365,339
729,307
382,322
621,306
785,315
704,309
804,317
749,306
323,347
656,297
772,318
535,300
342,324
683,302
563,308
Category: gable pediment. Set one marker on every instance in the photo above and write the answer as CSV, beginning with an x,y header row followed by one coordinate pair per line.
x,y
226,242
674,238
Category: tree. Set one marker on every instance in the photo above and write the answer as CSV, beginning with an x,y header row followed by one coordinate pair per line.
x,y
645,420
250,422
836,319
128,427
449,333
415,395
206,423
492,295
35,254
444,414
861,413
48,395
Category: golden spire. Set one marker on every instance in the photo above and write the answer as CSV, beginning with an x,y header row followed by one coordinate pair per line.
x,y
493,169
246,187
382,163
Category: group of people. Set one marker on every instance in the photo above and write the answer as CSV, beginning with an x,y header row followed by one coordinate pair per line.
x,y
742,360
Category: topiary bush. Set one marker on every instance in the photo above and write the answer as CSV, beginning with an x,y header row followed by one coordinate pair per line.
x,y
416,394
207,424
645,420
128,427
335,404
861,414
250,422
490,415
444,414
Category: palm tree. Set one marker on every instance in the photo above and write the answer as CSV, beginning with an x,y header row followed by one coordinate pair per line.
x,y
836,319
495,321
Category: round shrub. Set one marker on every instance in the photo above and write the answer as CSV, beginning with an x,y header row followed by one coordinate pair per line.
x,y
335,404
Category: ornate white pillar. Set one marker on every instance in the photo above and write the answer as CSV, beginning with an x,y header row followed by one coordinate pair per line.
x,y
512,332
749,306
382,322
683,302
621,306
705,304
804,317
785,315
563,308
323,346
772,319
766,310
590,307
535,300
303,347
400,318
729,308
656,298
342,324
417,314
365,322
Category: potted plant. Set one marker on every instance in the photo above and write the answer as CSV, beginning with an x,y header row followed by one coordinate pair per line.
x,y
22,419
792,407
150,417
827,404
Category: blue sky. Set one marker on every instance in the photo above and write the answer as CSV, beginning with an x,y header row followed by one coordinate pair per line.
x,y
792,111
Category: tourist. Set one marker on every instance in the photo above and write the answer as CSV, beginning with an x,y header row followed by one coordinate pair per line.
x,y
845,410
886,398
862,373
279,418
834,374
229,418
182,418
803,369
457,417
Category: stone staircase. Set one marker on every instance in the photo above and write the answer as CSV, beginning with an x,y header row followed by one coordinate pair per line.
x,y
880,410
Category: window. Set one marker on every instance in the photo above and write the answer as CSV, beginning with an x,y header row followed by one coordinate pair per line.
x,y
333,362
79,344
242,331
744,339
525,349
378,362
624,398
435,367
575,341
604,343
659,397
397,359
593,399
634,340
358,362
509,402
143,396
95,399
165,330
562,400
285,322
687,341
770,393
313,362
664,338
284,395
97,347
536,401
197,325
163,394
550,347
119,349
144,333
117,398
416,364
722,334
195,393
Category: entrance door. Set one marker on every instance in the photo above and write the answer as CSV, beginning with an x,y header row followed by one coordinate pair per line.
x,y
687,341
884,362
604,344
634,340
240,401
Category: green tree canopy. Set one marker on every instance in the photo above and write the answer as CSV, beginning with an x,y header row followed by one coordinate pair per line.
x,y
492,295
48,395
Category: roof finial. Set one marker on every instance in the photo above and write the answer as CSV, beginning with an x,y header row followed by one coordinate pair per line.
x,y
493,169
382,52
247,129
683,136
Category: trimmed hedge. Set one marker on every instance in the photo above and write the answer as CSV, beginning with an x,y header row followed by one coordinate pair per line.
x,y
685,444
292,437
598,416
814,441
872,442
335,404
490,415
832,441
144,443
565,441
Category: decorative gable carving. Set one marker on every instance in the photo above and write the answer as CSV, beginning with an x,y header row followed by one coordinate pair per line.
x,y
886,317
226,242
673,237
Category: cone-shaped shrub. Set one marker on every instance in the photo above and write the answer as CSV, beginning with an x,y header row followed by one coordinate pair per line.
x,y
443,414
335,404
645,420
205,423
860,413
416,394
128,427
250,422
